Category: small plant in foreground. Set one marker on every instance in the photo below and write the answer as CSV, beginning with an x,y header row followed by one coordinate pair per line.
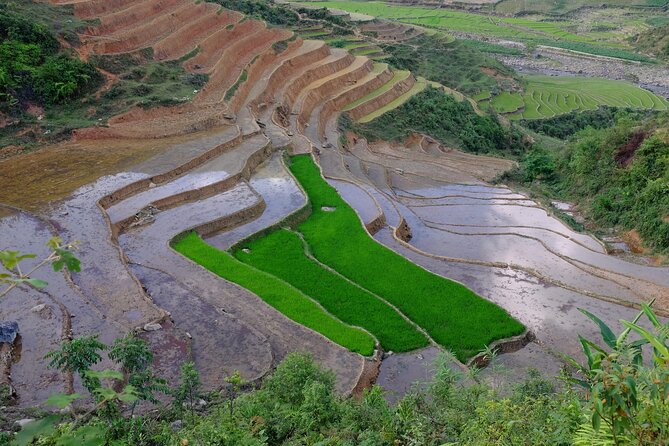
x,y
61,256
627,399
188,392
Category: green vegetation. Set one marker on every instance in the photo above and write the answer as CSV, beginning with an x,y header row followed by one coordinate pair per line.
x,y
455,64
559,33
548,96
583,47
618,398
450,313
275,292
619,175
565,7
654,41
33,66
282,254
566,125
441,116
453,315
622,403
263,10
506,102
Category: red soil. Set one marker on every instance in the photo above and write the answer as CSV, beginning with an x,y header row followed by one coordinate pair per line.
x,y
97,8
135,15
330,88
215,45
151,32
283,73
187,38
235,59
339,63
368,107
256,70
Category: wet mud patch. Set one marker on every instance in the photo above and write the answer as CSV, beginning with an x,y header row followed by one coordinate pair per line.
x,y
219,345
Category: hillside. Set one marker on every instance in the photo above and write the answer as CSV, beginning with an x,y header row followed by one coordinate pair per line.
x,y
263,223
654,41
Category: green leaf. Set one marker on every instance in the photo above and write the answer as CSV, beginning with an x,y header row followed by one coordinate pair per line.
x,y
105,374
607,334
128,395
596,421
54,242
653,340
84,436
106,393
9,259
61,400
37,283
37,428
651,315
66,259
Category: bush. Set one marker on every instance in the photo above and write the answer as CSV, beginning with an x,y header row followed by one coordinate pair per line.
x,y
441,116
33,69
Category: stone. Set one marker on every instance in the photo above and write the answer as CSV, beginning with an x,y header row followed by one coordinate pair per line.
x,y
8,331
24,421
152,327
176,425
38,308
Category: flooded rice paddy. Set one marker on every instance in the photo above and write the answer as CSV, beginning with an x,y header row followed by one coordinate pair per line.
x,y
498,242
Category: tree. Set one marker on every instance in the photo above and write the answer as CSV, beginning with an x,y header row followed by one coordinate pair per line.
x,y
77,356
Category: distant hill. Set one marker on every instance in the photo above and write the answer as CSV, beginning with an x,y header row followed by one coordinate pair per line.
x,y
566,6
654,41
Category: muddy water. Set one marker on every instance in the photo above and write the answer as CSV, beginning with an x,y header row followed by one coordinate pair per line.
x,y
282,197
44,316
214,171
499,243
231,328
401,372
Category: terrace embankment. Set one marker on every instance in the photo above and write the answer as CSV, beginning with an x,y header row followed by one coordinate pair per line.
x,y
498,242
164,171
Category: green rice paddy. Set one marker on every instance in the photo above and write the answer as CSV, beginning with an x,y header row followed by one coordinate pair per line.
x,y
548,96
275,292
282,254
354,278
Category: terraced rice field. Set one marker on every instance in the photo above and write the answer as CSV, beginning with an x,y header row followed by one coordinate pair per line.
x,y
419,86
213,167
160,172
364,271
545,32
553,7
548,96
278,293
